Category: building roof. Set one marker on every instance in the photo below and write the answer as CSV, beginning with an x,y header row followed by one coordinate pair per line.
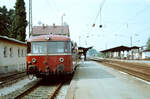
x,y
44,30
119,48
48,38
12,40
134,47
84,49
146,51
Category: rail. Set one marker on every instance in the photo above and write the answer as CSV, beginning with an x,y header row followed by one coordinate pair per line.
x,y
11,78
28,91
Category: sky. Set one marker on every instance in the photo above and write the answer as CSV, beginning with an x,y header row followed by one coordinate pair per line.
x,y
121,20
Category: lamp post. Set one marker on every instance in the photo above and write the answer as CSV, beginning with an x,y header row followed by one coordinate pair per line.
x,y
79,40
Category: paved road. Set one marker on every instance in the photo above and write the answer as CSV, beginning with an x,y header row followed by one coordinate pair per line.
x,y
95,81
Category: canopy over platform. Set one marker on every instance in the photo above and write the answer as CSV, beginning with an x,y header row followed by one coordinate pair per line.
x,y
120,48
83,50
122,52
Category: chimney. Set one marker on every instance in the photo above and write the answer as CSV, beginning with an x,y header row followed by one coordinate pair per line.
x,y
54,25
43,26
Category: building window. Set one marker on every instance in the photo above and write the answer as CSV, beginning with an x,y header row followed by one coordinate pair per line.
x,y
18,52
11,52
22,52
25,52
5,51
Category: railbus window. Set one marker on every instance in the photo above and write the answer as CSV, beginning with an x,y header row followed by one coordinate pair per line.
x,y
39,47
68,47
55,47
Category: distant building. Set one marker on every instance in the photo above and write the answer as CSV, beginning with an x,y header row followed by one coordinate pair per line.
x,y
57,30
12,55
146,54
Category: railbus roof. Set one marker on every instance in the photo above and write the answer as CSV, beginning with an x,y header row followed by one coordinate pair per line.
x,y
48,38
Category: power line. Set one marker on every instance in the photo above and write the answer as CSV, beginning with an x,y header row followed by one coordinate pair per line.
x,y
99,13
49,4
139,12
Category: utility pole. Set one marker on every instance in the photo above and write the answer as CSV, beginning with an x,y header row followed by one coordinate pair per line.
x,y
79,40
30,18
62,23
131,40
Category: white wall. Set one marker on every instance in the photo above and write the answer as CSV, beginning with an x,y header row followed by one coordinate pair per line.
x,y
14,62
145,55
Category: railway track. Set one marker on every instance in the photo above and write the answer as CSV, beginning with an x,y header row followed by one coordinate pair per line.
x,y
11,78
43,90
142,72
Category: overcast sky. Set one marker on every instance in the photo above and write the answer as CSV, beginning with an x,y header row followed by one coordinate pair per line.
x,y
121,20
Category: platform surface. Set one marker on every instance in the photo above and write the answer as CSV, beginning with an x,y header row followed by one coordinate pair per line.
x,y
96,81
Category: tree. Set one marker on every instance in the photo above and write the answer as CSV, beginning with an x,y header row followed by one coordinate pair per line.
x,y
18,30
3,19
93,52
6,18
148,44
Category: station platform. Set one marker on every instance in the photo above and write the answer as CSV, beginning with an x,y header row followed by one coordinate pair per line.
x,y
93,80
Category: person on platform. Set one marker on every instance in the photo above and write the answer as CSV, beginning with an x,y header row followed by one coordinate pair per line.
x,y
82,58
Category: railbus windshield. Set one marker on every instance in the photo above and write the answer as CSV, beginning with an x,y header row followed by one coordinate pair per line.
x,y
52,47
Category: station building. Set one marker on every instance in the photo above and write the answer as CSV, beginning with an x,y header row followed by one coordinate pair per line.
x,y
53,29
12,55
146,54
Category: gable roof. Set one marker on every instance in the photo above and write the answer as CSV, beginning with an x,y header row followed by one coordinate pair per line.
x,y
12,40
56,30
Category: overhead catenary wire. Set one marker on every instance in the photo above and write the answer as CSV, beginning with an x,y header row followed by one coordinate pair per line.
x,y
99,13
139,12
53,7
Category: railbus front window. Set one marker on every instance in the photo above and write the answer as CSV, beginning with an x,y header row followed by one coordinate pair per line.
x,y
39,47
55,47
68,47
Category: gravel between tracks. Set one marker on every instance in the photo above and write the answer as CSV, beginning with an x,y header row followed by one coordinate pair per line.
x,y
10,92
46,89
62,92
41,92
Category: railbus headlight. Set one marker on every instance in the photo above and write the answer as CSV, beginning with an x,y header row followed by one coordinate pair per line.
x,y
61,59
33,60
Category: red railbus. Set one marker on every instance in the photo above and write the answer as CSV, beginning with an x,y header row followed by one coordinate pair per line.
x,y
51,55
